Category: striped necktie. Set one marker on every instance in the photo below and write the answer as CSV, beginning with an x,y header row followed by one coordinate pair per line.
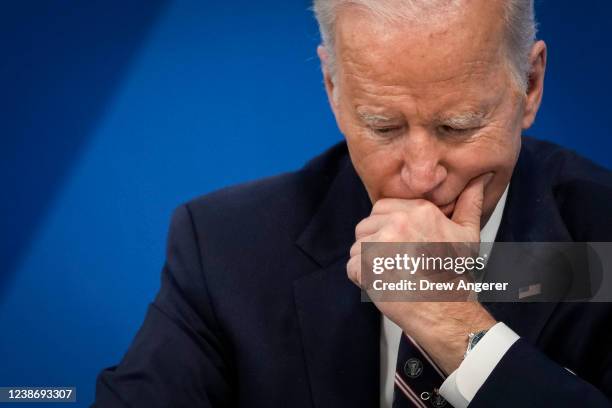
x,y
417,378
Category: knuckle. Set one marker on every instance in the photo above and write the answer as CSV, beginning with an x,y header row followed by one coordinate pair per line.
x,y
424,205
359,228
349,266
352,268
401,220
381,205
355,249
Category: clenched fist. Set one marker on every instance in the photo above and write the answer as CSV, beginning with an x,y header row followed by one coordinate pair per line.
x,y
440,327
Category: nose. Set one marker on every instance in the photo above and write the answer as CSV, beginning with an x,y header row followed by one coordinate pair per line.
x,y
422,171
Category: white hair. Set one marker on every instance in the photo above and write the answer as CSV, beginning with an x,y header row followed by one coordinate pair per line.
x,y
519,18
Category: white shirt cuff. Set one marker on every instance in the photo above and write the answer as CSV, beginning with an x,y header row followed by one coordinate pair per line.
x,y
462,384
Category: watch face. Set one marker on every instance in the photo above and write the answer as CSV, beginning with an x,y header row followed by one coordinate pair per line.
x,y
473,339
476,338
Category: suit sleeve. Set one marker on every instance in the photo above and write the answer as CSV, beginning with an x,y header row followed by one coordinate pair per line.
x,y
178,356
526,377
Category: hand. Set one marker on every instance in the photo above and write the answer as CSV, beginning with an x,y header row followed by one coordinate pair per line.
x,y
441,328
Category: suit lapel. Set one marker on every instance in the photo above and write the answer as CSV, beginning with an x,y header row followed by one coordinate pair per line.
x,y
530,215
340,333
341,339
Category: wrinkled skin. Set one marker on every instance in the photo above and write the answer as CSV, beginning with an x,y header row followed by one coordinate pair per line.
x,y
432,119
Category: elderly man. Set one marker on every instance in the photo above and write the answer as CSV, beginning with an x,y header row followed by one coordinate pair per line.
x,y
260,305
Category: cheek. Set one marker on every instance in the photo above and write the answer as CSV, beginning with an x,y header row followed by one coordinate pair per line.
x,y
494,151
376,165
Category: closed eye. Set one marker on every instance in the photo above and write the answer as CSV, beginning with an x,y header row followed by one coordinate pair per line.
x,y
387,130
446,129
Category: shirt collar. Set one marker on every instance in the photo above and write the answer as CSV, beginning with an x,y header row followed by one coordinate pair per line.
x,y
489,231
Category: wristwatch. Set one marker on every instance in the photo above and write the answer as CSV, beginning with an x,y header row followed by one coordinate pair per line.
x,y
473,339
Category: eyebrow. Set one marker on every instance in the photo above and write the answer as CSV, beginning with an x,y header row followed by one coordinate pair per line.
x,y
459,120
463,120
370,117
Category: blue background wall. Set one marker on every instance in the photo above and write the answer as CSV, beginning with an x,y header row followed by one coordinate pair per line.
x,y
115,112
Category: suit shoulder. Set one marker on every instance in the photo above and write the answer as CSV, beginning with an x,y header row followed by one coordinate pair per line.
x,y
565,165
581,187
285,201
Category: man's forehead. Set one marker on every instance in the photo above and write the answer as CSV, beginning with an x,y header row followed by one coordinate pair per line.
x,y
448,73
471,37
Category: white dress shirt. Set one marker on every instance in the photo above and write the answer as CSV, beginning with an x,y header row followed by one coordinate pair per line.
x,y
463,383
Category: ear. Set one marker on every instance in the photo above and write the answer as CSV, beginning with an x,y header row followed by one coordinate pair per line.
x,y
327,79
535,84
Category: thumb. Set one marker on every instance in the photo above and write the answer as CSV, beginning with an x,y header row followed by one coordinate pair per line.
x,y
469,204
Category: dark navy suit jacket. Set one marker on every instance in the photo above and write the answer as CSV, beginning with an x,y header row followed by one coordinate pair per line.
x,y
255,308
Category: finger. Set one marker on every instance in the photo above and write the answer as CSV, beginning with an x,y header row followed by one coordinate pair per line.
x,y
369,225
353,270
389,205
356,248
468,210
